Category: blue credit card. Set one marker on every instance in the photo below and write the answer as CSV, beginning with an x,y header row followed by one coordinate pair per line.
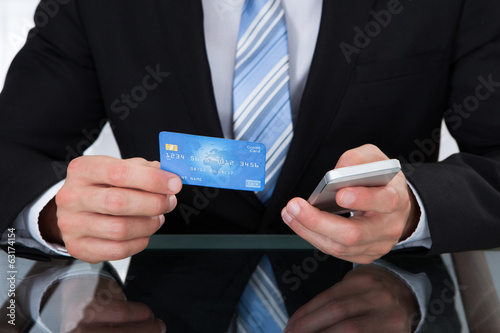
x,y
214,162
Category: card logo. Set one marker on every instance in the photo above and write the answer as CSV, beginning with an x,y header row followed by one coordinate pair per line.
x,y
253,183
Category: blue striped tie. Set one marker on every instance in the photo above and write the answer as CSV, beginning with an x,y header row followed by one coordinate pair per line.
x,y
262,113
261,94
261,307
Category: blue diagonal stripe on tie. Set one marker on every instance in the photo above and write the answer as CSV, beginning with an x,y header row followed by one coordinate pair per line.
x,y
261,308
261,92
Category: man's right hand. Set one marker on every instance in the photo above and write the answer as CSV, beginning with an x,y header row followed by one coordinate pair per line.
x,y
108,208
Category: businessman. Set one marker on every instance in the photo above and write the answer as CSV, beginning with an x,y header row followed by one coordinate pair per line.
x,y
368,80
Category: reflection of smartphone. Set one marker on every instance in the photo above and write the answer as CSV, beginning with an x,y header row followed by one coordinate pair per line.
x,y
369,174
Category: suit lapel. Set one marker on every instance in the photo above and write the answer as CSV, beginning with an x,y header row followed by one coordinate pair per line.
x,y
328,79
182,25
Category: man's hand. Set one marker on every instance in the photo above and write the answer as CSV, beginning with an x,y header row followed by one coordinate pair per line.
x,y
368,299
96,304
384,215
108,208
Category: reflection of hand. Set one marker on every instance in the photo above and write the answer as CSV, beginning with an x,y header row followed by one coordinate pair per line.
x,y
108,208
384,215
100,306
368,299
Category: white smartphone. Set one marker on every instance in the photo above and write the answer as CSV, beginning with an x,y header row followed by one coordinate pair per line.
x,y
369,174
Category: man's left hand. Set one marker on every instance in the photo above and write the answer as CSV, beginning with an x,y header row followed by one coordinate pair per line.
x,y
383,216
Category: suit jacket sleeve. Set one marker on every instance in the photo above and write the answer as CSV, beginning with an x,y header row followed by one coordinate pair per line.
x,y
50,102
461,195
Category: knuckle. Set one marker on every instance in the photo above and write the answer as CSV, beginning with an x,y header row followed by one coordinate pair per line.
x,y
336,249
394,234
76,165
119,251
138,160
156,178
118,174
159,204
338,309
366,279
64,197
383,296
113,201
351,157
314,221
371,146
63,223
394,199
353,236
118,229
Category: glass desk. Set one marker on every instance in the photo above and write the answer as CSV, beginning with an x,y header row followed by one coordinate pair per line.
x,y
194,283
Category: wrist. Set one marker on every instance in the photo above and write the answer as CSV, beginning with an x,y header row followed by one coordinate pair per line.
x,y
413,217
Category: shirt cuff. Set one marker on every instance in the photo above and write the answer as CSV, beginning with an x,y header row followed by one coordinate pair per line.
x,y
40,283
418,283
421,237
27,224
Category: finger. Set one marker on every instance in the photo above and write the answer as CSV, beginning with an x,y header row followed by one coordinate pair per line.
x,y
341,237
350,286
150,326
110,311
116,228
331,314
123,202
141,161
95,250
135,174
309,223
394,320
381,199
357,282
360,155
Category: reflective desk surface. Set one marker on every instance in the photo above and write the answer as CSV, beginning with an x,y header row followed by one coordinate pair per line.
x,y
194,283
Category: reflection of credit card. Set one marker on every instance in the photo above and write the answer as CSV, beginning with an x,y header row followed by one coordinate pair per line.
x,y
214,162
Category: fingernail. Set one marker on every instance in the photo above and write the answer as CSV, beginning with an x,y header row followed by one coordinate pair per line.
x,y
285,216
162,220
293,209
347,198
162,326
172,202
174,184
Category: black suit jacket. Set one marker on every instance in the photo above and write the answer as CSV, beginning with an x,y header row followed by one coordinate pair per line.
x,y
142,65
